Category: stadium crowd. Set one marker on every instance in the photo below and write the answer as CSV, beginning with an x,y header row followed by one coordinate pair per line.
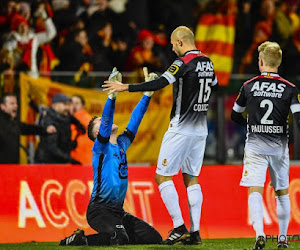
x,y
46,37
94,35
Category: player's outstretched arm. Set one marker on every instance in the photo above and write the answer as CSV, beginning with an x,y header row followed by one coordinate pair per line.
x,y
127,137
113,87
141,107
152,85
109,109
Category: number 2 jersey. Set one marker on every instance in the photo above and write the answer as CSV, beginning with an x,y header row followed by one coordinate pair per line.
x,y
268,99
193,77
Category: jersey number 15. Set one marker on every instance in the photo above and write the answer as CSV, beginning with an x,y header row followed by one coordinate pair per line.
x,y
205,90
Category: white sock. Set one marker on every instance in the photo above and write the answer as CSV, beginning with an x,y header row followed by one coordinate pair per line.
x,y
170,198
256,213
283,213
195,199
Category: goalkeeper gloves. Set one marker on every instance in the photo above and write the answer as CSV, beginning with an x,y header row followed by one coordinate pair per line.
x,y
114,76
149,77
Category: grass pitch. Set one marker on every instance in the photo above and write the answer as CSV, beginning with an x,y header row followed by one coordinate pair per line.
x,y
219,244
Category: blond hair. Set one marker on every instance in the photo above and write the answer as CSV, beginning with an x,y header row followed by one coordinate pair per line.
x,y
270,53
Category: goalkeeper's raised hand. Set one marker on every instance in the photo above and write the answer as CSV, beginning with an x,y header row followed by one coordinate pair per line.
x,y
116,77
149,77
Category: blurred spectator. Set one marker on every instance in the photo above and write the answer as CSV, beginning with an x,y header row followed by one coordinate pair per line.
x,y
11,129
162,48
174,14
25,43
7,82
76,55
262,33
142,54
83,5
64,13
67,35
7,12
83,151
97,15
285,33
138,12
244,31
102,46
286,22
13,12
120,54
45,55
56,148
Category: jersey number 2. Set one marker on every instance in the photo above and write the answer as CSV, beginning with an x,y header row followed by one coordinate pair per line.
x,y
263,104
205,90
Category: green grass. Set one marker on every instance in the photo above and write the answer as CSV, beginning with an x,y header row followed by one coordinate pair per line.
x,y
228,244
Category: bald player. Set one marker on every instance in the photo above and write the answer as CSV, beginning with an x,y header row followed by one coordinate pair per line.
x,y
193,78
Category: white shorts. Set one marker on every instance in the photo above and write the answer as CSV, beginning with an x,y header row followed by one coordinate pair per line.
x,y
255,168
183,152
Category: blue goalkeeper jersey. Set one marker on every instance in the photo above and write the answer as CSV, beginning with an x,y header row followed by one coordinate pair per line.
x,y
109,160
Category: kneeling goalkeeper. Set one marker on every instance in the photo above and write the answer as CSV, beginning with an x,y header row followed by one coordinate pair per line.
x,y
105,212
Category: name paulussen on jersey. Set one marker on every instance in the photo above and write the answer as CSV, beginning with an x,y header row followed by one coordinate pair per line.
x,y
266,129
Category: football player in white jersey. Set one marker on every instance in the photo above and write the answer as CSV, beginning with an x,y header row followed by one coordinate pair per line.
x,y
268,99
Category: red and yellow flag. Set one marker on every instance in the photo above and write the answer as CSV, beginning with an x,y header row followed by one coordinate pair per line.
x,y
214,36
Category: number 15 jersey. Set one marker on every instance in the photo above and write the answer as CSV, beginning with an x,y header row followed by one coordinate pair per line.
x,y
268,99
192,76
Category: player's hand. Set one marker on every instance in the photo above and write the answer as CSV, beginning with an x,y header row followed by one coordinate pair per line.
x,y
149,77
51,129
114,83
115,76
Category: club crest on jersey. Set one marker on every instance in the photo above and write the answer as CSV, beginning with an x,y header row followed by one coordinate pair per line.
x,y
173,69
165,162
123,171
246,173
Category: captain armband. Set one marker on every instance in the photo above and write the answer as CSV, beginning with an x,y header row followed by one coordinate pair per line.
x,y
102,139
129,134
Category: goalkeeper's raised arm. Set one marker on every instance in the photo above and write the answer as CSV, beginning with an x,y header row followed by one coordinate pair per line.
x,y
151,85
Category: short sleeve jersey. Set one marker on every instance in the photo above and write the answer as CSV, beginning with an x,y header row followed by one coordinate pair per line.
x,y
268,99
192,76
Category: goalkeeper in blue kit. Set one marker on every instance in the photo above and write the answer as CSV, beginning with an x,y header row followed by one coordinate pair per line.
x,y
105,212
